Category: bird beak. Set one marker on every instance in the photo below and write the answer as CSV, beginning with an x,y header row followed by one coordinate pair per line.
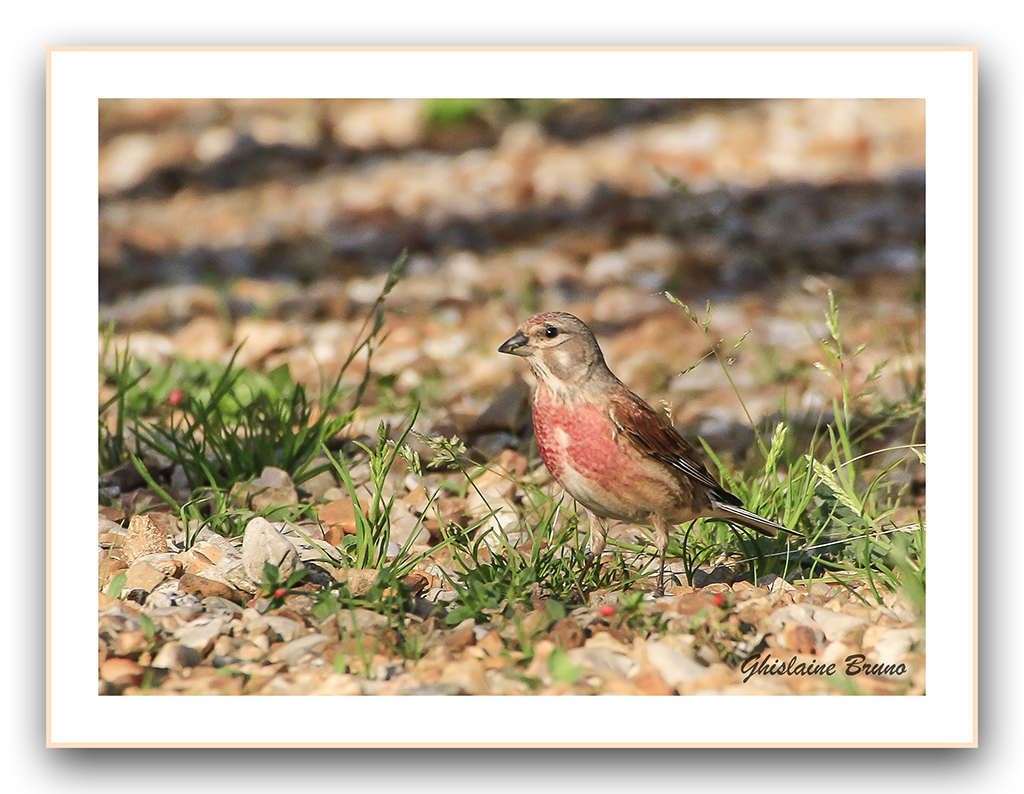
x,y
515,346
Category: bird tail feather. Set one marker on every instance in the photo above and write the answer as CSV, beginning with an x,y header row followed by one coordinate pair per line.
x,y
753,521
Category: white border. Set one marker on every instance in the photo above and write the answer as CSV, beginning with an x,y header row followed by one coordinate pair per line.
x,y
943,78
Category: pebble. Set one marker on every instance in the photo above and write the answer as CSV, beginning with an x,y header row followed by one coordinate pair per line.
x,y
143,537
130,643
674,667
317,485
216,604
263,543
110,532
144,576
277,628
359,580
209,588
202,632
339,519
468,676
292,652
175,656
121,672
596,659
895,644
835,626
231,572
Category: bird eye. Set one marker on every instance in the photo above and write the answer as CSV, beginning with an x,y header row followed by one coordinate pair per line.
x,y
550,332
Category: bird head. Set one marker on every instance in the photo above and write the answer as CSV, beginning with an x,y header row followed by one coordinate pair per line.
x,y
560,349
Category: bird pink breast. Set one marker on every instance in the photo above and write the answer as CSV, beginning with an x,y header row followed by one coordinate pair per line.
x,y
576,441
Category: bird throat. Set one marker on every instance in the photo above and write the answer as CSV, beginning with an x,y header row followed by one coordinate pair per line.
x,y
565,374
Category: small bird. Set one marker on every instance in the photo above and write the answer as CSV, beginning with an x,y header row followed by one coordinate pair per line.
x,y
610,450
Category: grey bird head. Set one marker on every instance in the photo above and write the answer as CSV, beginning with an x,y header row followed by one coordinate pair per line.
x,y
561,351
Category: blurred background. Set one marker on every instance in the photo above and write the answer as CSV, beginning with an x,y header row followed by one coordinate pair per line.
x,y
277,222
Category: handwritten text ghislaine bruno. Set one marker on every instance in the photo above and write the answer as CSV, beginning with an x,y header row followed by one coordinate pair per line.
x,y
855,664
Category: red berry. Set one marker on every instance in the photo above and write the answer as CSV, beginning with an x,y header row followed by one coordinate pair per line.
x,y
607,610
718,599
280,592
175,396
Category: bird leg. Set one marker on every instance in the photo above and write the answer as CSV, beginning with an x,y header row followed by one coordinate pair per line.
x,y
598,537
661,530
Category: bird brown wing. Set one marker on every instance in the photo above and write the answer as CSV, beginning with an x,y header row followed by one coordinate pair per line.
x,y
653,435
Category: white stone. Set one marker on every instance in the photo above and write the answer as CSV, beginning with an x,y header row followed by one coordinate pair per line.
x,y
673,666
202,632
261,544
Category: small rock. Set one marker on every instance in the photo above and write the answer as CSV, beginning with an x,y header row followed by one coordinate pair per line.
x,y
311,549
461,636
339,516
835,653
509,411
110,567
231,571
110,532
111,513
567,633
124,478
121,672
491,643
648,681
251,651
490,490
167,563
513,462
317,485
215,547
468,675
202,632
417,499
144,537
601,660
278,628
823,589
172,590
293,651
272,488
675,668
170,619
194,561
202,339
895,644
261,544
175,656
720,575
208,588
361,621
359,580
834,625
406,528
216,604
130,643
143,576
334,494
775,584
801,639
417,582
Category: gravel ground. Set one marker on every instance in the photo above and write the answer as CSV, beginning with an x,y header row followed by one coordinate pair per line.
x,y
274,223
